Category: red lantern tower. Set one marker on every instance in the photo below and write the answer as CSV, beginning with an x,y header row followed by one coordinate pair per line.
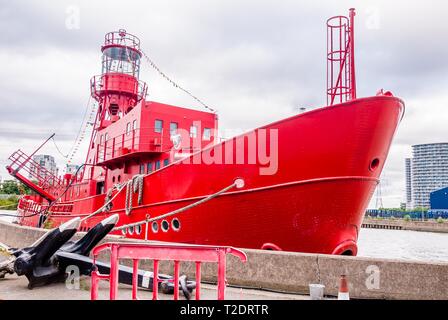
x,y
118,88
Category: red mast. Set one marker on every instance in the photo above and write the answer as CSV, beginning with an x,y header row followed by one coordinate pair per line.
x,y
341,80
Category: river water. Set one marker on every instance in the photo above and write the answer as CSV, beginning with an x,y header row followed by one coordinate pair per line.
x,y
403,244
390,244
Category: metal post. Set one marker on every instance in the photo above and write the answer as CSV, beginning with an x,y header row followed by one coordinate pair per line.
x,y
105,149
113,272
155,280
134,279
113,147
198,280
221,274
94,290
133,140
352,52
176,280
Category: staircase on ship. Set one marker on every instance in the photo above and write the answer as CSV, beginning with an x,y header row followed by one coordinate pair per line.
x,y
33,175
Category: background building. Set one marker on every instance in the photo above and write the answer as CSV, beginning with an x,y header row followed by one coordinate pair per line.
x,y
408,167
439,199
428,172
71,168
45,161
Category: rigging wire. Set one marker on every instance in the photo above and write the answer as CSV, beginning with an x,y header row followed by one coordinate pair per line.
x,y
155,67
59,150
86,121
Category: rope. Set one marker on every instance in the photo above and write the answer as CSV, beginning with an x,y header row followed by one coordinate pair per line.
x,y
108,207
132,186
105,204
155,67
166,215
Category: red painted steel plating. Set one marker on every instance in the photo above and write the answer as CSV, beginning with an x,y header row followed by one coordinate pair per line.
x,y
156,252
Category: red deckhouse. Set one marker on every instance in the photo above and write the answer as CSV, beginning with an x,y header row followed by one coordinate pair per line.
x,y
299,184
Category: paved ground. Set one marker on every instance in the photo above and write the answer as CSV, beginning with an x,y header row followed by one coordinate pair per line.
x,y
15,288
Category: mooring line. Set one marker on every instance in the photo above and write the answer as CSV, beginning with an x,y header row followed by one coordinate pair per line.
x,y
190,206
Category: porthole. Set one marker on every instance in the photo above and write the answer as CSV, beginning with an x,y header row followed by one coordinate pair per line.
x,y
113,179
165,226
374,164
138,229
119,178
155,227
131,230
175,224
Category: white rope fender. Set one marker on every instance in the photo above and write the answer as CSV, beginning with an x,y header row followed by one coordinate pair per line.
x,y
132,186
239,183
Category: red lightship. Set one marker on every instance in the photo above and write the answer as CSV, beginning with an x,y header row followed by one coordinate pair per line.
x,y
299,184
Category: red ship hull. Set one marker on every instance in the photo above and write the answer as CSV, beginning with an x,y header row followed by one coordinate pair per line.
x,y
329,163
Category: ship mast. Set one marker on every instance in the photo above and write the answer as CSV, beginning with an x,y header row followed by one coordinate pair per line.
x,y
341,79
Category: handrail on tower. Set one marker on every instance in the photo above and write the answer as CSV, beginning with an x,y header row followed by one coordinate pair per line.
x,y
341,81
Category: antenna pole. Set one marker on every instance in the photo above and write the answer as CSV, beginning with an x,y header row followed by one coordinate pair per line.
x,y
352,52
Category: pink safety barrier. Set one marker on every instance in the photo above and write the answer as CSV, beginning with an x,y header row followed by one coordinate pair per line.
x,y
162,252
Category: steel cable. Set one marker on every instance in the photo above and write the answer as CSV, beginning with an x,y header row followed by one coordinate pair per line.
x,y
177,211
155,67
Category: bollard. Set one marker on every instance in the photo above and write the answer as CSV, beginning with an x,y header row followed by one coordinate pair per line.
x,y
343,289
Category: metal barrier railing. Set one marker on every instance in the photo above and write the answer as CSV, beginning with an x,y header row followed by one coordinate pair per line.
x,y
162,252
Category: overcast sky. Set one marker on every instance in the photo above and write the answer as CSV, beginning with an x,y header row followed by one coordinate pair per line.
x,y
254,61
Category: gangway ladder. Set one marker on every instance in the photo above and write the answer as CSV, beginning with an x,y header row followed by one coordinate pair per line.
x,y
341,81
160,252
46,180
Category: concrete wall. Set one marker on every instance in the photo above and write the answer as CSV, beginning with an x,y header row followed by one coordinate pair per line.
x,y
426,226
292,272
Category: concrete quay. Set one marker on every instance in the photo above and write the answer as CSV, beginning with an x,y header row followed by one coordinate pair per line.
x,y
288,272
401,224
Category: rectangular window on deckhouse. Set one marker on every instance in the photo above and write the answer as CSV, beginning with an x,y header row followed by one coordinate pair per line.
x,y
158,126
173,128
